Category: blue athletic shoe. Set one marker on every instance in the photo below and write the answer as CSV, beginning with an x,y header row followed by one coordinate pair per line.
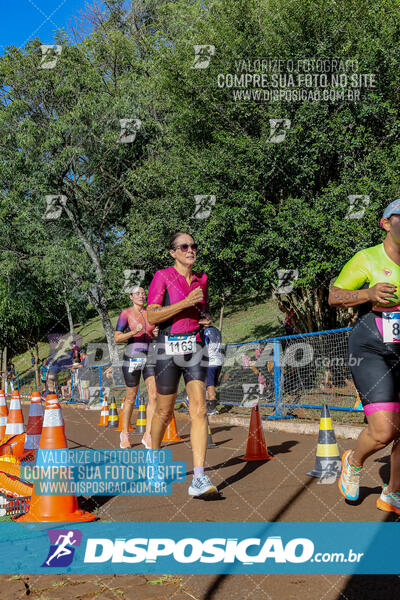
x,y
202,486
349,480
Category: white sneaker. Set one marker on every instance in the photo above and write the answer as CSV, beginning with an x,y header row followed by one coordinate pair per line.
x,y
389,502
202,486
349,480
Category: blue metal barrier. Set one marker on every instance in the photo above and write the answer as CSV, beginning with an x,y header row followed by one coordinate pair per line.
x,y
277,401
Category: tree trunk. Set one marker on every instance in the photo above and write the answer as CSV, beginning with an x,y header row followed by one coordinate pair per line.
x,y
69,315
4,366
97,296
30,350
221,315
37,360
98,300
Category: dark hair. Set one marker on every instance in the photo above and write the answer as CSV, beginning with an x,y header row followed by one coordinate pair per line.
x,y
175,236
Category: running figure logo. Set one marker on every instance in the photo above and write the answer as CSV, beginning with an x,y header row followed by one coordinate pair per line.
x,y
61,552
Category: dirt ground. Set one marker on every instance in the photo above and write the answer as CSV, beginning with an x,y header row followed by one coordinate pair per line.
x,y
277,490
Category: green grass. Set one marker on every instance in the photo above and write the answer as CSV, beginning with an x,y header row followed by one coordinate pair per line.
x,y
256,322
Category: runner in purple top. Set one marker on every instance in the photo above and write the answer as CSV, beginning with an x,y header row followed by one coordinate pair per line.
x,y
178,303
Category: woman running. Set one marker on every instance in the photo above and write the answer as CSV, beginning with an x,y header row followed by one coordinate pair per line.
x,y
134,328
372,278
178,301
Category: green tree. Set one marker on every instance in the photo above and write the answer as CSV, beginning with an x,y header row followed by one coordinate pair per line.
x,y
65,156
278,205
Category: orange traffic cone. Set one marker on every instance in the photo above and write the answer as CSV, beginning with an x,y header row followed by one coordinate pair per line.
x,y
51,400
13,445
3,414
256,446
171,433
113,415
54,508
121,412
15,420
104,413
35,422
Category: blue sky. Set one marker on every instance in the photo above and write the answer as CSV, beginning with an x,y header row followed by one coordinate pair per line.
x,y
22,20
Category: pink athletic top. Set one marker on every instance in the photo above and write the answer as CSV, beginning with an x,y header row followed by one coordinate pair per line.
x,y
169,287
128,320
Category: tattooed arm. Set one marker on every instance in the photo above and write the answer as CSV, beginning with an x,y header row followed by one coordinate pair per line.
x,y
381,293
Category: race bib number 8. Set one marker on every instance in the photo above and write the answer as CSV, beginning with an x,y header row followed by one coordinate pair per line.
x,y
391,327
180,344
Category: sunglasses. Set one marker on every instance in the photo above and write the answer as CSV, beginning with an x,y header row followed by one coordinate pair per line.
x,y
185,247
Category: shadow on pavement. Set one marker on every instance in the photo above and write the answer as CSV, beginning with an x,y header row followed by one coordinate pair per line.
x,y
364,493
283,448
219,579
248,467
376,587
94,502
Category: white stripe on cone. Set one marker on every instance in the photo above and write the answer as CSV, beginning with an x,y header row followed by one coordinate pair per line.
x,y
14,428
53,418
15,404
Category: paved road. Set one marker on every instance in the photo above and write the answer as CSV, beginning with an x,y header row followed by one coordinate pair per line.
x,y
278,490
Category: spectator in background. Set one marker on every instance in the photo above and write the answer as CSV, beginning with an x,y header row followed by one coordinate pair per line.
x,y
52,378
108,381
10,374
290,320
43,373
84,377
212,338
75,374
66,389
75,349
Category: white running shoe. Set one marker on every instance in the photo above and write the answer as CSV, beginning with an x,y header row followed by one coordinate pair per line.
x,y
349,480
389,502
202,486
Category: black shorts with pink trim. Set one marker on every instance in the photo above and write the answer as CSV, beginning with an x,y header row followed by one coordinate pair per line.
x,y
374,365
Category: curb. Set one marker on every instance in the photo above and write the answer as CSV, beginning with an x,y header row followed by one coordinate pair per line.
x,y
341,431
